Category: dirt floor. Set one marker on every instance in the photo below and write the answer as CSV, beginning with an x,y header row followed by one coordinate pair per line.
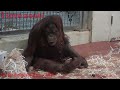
x,y
103,59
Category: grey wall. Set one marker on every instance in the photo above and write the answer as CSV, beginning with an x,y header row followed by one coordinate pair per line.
x,y
101,26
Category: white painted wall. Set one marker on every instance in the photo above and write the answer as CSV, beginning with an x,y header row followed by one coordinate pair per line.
x,y
101,26
77,38
115,27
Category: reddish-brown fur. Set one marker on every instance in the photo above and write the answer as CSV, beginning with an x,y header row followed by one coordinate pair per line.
x,y
41,56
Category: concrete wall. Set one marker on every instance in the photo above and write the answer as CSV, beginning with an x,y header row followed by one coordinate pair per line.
x,y
19,41
100,32
101,26
115,26
77,38
13,41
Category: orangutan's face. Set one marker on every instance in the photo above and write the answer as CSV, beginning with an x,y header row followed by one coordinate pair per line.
x,y
51,34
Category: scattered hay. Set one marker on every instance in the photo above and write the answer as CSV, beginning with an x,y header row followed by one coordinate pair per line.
x,y
14,66
100,67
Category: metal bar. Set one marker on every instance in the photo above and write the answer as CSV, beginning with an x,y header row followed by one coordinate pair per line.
x,y
23,20
30,20
5,18
27,23
12,22
16,20
1,22
85,19
89,20
19,20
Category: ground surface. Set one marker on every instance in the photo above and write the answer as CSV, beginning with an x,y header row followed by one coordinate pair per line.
x,y
103,59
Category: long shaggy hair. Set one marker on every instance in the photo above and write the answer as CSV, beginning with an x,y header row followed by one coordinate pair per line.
x,y
37,32
40,53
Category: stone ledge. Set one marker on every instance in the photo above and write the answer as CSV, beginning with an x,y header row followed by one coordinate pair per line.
x,y
9,42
